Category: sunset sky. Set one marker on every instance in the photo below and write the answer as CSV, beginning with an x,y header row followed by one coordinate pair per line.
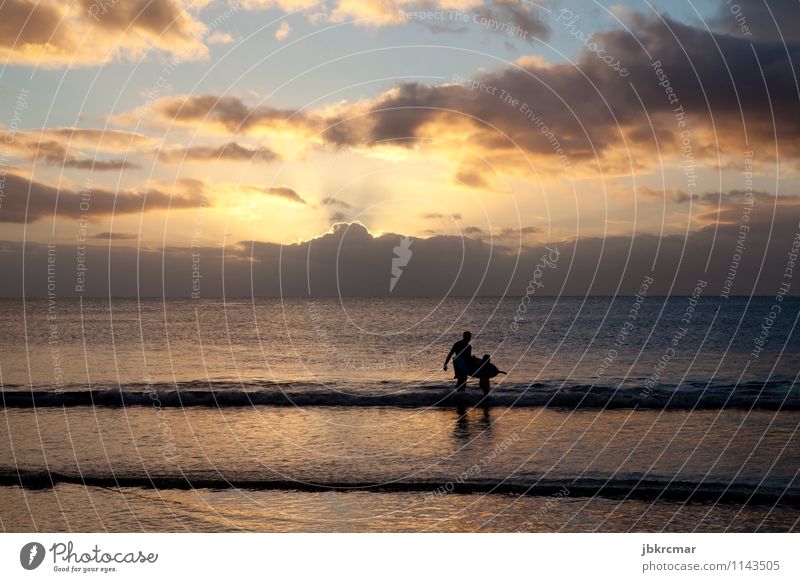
x,y
163,126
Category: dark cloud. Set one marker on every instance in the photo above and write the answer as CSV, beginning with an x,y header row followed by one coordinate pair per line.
x,y
26,200
518,232
472,179
230,151
671,194
728,88
26,22
52,147
335,202
115,236
526,17
55,34
96,165
351,261
439,216
231,113
283,192
735,197
165,19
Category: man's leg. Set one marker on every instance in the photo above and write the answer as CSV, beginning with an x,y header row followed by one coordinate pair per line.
x,y
461,383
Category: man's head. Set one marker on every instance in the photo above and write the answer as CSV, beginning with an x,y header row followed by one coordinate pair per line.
x,y
467,335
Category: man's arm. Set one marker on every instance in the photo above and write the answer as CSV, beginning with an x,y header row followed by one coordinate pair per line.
x,y
449,355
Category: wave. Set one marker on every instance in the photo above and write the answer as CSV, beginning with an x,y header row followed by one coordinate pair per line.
x,y
647,489
771,395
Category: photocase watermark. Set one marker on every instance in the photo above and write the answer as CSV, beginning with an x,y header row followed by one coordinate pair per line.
x,y
95,560
53,333
402,255
739,17
783,289
509,29
744,226
474,470
549,503
101,8
169,450
528,112
627,327
569,19
677,337
195,243
31,555
10,135
687,152
68,558
548,260
81,268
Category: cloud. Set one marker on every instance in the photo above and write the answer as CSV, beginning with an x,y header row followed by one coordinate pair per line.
x,y
335,202
226,115
283,31
671,194
49,33
115,236
282,192
106,140
522,232
471,179
474,231
351,261
589,116
512,18
727,199
71,147
687,100
440,215
525,17
228,152
91,164
26,201
220,38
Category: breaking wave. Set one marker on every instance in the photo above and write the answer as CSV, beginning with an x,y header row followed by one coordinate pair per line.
x,y
716,395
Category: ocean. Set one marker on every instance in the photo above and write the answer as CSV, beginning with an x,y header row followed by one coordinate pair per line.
x,y
638,413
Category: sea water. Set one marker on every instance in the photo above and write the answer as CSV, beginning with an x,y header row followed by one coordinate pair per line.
x,y
329,414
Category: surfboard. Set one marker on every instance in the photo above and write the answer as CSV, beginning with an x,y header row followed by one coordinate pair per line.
x,y
480,370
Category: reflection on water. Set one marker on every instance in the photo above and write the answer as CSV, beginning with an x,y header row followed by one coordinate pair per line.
x,y
472,423
377,445
74,508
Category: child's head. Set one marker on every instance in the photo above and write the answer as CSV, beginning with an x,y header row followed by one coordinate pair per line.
x,y
486,357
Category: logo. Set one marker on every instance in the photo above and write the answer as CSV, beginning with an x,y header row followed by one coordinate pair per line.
x,y
402,254
31,555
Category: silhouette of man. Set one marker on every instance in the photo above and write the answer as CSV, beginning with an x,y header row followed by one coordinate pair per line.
x,y
461,352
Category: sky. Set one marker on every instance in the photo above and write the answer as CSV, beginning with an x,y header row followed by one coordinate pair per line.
x,y
287,146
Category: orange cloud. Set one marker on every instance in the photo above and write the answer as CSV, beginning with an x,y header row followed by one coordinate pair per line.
x,y
49,33
73,147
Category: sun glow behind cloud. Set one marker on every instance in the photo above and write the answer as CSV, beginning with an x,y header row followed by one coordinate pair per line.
x,y
564,148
